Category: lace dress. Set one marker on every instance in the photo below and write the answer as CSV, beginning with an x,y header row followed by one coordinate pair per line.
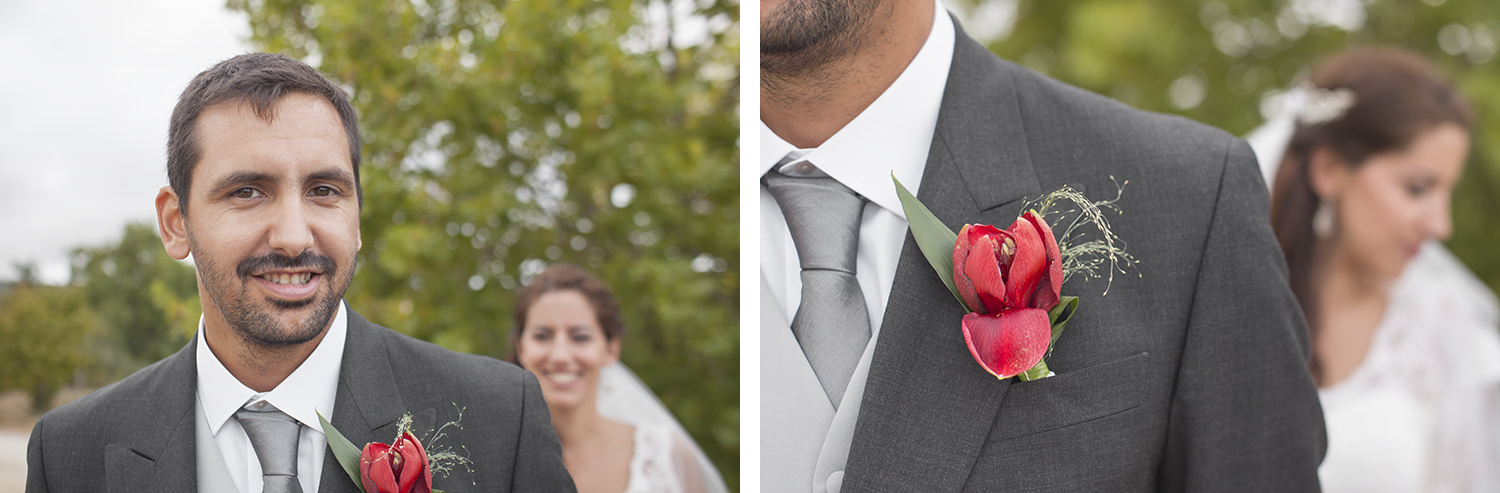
x,y
660,441
1420,412
654,467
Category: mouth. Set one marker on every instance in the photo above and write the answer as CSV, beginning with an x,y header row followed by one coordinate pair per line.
x,y
1412,249
295,278
289,285
562,377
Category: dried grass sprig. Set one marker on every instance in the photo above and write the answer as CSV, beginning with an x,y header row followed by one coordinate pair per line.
x,y
441,459
1080,254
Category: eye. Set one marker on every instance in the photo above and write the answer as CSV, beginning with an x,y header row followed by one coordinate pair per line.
x,y
1417,189
246,193
581,336
541,335
323,191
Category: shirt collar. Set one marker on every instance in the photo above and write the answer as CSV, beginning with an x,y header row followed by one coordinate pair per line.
x,y
313,386
892,135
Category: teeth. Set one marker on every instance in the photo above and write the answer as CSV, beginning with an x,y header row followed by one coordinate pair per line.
x,y
298,279
563,377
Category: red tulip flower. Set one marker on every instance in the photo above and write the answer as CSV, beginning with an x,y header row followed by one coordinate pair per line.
x,y
397,468
1009,279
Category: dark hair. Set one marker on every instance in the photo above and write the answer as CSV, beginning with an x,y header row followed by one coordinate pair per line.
x,y
1398,96
567,277
261,80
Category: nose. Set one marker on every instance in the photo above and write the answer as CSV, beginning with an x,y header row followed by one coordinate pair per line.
x,y
558,351
291,230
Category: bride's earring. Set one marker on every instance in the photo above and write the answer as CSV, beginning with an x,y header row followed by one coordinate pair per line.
x,y
1323,219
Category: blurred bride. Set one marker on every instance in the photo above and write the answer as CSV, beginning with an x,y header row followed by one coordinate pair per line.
x,y
1404,343
616,436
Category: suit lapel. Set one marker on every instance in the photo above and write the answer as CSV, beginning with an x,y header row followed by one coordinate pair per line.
x,y
161,458
928,407
368,403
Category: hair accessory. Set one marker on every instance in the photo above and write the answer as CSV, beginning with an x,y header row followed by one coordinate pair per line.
x,y
1323,105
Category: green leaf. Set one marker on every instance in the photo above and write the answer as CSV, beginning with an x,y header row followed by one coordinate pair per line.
x,y
1037,372
343,450
1059,315
933,237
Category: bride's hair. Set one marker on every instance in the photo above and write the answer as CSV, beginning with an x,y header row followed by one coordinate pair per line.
x,y
567,277
1397,96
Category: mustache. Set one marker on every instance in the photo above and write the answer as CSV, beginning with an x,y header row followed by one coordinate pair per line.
x,y
309,260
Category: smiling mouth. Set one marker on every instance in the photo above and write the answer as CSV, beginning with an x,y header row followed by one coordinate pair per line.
x,y
290,290
562,377
296,279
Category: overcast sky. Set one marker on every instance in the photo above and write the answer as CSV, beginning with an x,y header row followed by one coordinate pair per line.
x,y
87,89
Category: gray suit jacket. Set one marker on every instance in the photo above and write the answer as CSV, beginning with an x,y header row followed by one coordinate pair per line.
x,y
138,434
1190,376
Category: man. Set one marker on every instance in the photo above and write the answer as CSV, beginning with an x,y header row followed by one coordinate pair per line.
x,y
1189,376
263,164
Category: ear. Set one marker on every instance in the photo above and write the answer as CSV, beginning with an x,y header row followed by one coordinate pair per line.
x,y
1328,173
171,224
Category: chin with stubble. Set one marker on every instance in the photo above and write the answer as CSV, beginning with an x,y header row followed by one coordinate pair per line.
x,y
800,36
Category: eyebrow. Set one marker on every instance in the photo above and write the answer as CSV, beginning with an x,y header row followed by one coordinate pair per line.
x,y
340,176
240,178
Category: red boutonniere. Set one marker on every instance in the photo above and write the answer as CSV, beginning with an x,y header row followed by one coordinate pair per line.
x,y
1010,280
402,466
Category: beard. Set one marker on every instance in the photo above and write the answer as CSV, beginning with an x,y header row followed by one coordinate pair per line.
x,y
801,35
230,292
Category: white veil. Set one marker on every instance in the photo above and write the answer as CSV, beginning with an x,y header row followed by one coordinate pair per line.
x,y
1269,141
625,398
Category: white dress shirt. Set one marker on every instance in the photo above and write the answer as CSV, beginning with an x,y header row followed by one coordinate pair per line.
x,y
892,135
312,387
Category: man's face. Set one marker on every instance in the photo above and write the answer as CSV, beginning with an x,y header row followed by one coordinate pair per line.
x,y
797,35
273,219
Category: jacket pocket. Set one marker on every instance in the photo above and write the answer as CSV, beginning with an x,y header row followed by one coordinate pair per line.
x,y
1067,399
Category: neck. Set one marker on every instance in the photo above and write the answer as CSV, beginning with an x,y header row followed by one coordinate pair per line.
x,y
808,106
259,367
1348,284
576,424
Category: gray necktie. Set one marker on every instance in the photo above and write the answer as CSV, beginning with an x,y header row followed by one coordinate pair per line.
x,y
274,436
832,324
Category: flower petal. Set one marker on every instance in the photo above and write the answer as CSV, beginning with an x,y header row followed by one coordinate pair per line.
x,y
983,268
375,471
1009,342
1049,288
416,475
961,281
1027,266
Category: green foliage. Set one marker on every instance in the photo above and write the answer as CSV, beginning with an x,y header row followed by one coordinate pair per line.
x,y
343,450
933,237
44,328
500,136
146,301
1221,57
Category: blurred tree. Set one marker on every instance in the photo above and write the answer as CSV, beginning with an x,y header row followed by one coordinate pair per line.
x,y
44,328
503,135
146,301
1216,61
